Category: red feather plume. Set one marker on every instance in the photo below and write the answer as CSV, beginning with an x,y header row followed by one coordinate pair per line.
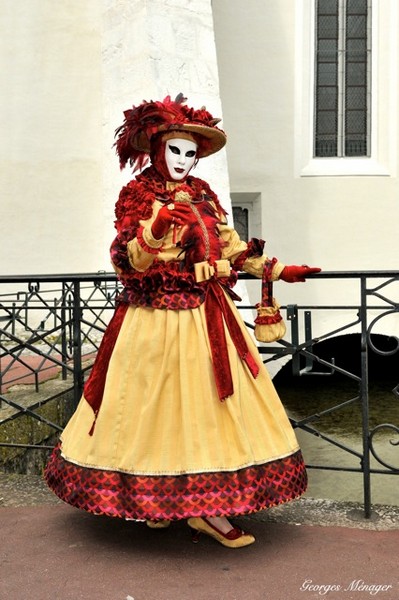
x,y
141,122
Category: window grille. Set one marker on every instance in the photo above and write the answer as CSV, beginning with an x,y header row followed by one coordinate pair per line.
x,y
241,222
343,78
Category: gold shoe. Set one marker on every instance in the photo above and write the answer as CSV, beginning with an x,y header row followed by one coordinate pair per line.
x,y
235,538
161,524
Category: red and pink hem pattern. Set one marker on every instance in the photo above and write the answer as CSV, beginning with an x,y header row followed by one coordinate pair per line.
x,y
141,497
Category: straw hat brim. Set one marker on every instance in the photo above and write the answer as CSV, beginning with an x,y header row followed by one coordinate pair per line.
x,y
216,137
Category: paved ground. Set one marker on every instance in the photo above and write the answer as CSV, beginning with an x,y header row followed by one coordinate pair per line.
x,y
304,550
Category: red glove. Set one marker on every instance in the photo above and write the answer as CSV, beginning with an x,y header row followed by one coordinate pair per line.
x,y
294,273
171,214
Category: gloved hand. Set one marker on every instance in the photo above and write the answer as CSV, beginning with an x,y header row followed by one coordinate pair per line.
x,y
294,273
179,214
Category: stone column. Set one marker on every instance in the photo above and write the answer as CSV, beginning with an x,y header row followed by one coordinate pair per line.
x,y
152,48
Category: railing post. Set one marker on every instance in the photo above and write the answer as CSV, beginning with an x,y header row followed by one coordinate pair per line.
x,y
364,397
292,316
308,337
77,344
64,342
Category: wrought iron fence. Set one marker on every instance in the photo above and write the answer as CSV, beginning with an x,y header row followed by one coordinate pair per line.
x,y
51,325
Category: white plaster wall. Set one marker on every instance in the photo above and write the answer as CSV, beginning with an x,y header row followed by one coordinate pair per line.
x,y
51,150
338,223
69,69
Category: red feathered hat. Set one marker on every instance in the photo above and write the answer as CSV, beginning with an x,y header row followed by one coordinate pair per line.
x,y
142,122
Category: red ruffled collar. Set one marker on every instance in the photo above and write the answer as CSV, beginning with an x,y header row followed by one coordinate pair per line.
x,y
137,197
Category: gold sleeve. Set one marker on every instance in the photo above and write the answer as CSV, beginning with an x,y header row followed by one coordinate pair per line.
x,y
254,266
143,249
234,246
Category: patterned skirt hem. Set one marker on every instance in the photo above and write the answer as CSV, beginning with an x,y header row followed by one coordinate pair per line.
x,y
141,497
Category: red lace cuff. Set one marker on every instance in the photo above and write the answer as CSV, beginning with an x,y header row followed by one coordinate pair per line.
x,y
145,242
254,248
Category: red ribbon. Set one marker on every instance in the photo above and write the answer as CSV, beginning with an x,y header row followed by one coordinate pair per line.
x,y
217,310
94,387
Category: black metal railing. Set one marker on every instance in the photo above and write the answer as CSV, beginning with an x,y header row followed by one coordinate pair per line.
x,y
54,324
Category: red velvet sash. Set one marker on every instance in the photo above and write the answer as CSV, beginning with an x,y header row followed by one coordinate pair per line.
x,y
218,309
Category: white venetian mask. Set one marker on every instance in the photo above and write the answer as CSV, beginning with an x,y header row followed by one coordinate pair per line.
x,y
180,157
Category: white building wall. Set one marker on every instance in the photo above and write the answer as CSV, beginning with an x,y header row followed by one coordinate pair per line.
x,y
338,217
68,71
51,150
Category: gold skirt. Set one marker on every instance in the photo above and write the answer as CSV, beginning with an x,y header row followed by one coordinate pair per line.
x,y
164,445
161,414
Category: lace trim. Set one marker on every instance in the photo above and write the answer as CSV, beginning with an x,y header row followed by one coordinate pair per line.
x,y
147,242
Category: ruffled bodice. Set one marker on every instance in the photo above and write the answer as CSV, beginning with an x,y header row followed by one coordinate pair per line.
x,y
161,273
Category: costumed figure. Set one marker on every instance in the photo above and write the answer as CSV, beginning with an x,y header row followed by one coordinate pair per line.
x,y
179,418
